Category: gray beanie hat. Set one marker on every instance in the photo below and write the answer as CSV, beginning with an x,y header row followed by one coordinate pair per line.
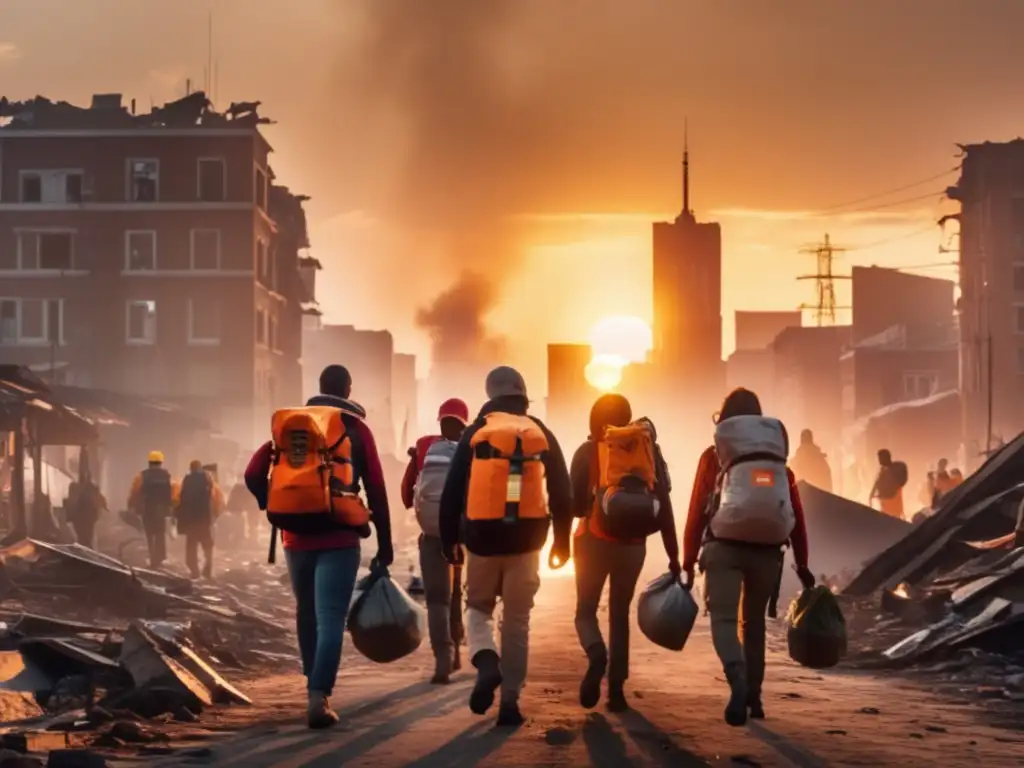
x,y
505,381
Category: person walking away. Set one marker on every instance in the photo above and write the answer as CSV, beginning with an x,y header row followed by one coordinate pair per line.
x,y
152,499
242,503
84,504
199,503
943,482
744,508
308,478
888,487
422,486
494,503
810,463
620,489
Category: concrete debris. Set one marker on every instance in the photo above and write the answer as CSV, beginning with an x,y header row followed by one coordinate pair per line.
x,y
90,643
948,597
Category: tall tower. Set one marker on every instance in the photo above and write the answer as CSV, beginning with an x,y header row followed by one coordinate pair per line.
x,y
825,282
687,273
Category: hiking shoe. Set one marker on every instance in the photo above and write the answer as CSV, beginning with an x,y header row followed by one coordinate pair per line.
x,y
617,699
736,709
442,668
509,715
590,688
756,708
488,680
319,713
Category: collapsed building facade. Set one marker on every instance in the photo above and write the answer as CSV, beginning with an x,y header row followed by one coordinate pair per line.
x,y
152,254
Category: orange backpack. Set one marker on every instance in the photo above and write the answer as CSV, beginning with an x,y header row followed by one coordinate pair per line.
x,y
506,478
625,502
312,481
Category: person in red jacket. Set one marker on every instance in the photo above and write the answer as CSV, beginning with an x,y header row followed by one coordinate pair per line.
x,y
323,566
444,604
738,572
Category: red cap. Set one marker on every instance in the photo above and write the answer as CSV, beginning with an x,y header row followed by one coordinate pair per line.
x,y
454,409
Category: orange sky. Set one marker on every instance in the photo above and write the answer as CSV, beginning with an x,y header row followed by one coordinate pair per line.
x,y
533,140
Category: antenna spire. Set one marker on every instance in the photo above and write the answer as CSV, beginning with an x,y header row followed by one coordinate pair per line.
x,y
686,166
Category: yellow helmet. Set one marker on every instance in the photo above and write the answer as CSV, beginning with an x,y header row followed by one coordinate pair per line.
x,y
156,457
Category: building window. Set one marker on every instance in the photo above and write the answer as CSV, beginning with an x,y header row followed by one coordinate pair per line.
x,y
261,327
272,333
920,385
261,189
205,249
140,250
203,322
213,179
143,181
1018,278
140,322
1018,317
1020,359
45,250
265,263
31,322
51,186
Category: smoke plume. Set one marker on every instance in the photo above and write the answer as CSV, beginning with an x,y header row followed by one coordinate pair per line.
x,y
455,320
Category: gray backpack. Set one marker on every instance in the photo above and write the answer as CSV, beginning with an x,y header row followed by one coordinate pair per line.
x,y
430,485
754,504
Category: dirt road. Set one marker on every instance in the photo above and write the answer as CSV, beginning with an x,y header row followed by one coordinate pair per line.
x,y
391,718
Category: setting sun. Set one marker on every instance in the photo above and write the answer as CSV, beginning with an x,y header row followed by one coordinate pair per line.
x,y
616,342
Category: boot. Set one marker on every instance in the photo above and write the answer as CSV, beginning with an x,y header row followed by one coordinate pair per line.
x,y
754,705
442,668
590,688
736,709
617,698
318,712
488,680
509,715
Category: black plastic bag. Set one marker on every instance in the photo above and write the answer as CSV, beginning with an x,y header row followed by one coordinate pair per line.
x,y
384,622
817,629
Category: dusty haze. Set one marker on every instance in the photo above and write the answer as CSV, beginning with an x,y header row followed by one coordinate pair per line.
x,y
425,136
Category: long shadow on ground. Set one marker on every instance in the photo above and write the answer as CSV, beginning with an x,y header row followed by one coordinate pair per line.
x,y
468,749
656,743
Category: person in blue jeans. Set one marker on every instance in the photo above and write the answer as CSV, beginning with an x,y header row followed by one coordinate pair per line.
x,y
323,567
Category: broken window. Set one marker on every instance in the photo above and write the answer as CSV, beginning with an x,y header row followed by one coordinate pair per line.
x,y
8,321
212,179
140,250
261,189
143,181
206,249
261,327
45,250
272,333
40,321
31,188
73,188
141,322
203,322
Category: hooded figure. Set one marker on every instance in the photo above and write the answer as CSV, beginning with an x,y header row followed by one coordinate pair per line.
x,y
810,464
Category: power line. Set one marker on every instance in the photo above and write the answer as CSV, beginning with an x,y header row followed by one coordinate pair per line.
x,y
895,203
895,239
825,282
888,192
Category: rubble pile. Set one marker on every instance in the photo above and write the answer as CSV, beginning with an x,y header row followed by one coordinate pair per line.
x,y
948,596
96,652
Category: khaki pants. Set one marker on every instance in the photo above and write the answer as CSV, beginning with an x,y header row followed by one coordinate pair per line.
x,y
740,581
515,579
437,586
598,561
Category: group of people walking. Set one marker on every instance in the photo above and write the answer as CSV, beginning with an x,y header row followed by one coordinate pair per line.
x,y
487,493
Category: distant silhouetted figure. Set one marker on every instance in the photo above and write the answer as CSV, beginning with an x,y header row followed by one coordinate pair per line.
x,y
888,488
810,463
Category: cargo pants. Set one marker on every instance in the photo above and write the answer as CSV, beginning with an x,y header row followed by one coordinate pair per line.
x,y
437,586
515,579
598,561
740,580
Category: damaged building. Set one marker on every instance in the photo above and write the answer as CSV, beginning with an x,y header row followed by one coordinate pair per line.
x,y
152,254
